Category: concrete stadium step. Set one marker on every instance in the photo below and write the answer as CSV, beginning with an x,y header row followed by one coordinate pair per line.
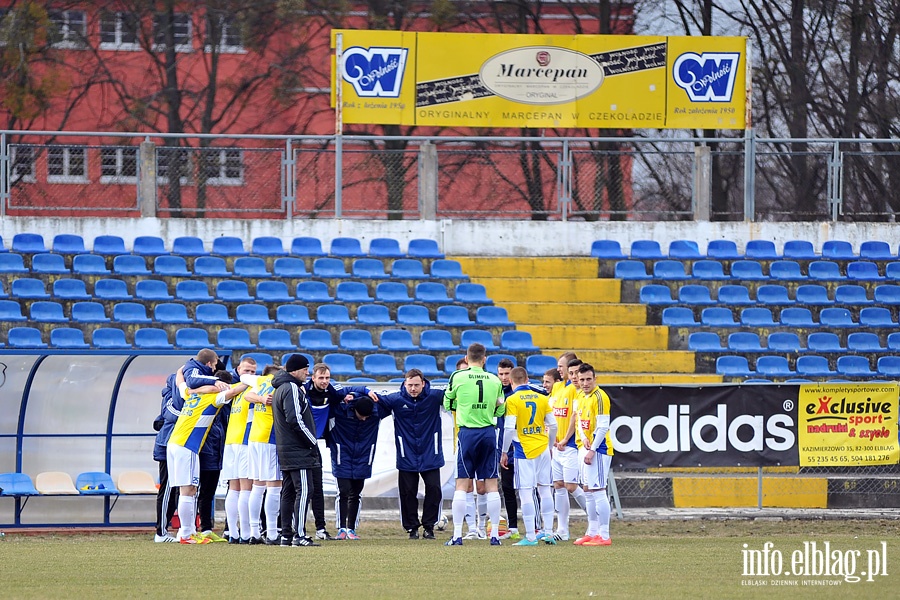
x,y
599,337
544,313
635,361
521,289
655,378
552,267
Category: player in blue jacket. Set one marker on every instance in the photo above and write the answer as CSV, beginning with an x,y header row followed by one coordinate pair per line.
x,y
417,436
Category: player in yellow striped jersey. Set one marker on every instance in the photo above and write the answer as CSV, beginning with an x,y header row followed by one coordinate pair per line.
x,y
595,453
236,461
565,451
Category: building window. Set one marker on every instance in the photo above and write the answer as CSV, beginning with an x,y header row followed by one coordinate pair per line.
x,y
5,26
173,161
223,33
68,28
223,167
180,27
119,31
66,165
22,159
118,165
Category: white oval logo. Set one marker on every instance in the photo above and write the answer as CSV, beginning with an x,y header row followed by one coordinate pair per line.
x,y
541,75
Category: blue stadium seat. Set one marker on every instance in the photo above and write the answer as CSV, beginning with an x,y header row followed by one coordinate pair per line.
x,y
813,366
28,288
887,294
192,290
369,268
251,267
192,338
788,270
313,291
307,246
656,294
735,295
233,291
28,243
824,341
152,338
12,263
333,314
450,362
51,264
329,268
493,316
437,340
357,340
380,365
95,483
471,293
11,311
876,316
109,245
228,246
708,270
696,295
889,366
492,362
152,289
773,366
267,246
733,366
747,270
684,249
275,339
744,341
149,245
67,337
398,340
413,314
447,269
341,365
70,289
449,316
799,249
678,316
798,380
875,250
110,338
669,269
761,250
773,295
863,271
823,270
838,250
373,314
352,291
293,314
233,338
385,248
517,341
432,293
423,362
477,336
47,312
854,366
631,269
2,246
67,243
392,291
408,268
211,266
212,314
171,312
170,266
813,295
863,341
757,317
836,318
722,250
717,316
606,250
188,246
24,337
273,291
252,314
346,247
130,312
87,312
289,267
854,295
420,248
646,249
798,318
89,264
129,264
705,341
784,342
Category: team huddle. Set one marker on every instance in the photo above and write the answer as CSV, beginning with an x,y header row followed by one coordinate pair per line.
x,y
266,447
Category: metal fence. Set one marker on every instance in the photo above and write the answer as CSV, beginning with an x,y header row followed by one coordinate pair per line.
x,y
627,178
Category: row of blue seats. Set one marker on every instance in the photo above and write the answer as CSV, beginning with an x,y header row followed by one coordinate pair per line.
x,y
33,243
789,342
254,314
751,270
795,317
755,249
191,290
809,366
213,266
771,295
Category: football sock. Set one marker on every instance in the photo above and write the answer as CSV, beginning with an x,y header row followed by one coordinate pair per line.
x,y
527,503
232,513
272,508
187,514
562,507
459,512
493,510
578,494
603,510
254,505
546,508
470,510
244,514
592,513
481,503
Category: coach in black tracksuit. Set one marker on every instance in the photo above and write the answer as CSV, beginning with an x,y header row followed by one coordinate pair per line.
x,y
295,442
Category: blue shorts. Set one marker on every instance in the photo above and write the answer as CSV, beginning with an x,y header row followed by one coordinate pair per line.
x,y
476,456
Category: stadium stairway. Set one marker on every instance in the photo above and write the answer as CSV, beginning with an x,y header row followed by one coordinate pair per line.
x,y
565,306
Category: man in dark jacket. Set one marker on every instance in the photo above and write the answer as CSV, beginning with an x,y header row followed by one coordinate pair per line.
x,y
417,436
295,441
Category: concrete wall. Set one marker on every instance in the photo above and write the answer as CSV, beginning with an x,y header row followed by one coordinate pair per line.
x,y
485,238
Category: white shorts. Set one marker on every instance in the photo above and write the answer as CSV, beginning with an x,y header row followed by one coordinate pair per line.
x,y
532,472
183,466
264,462
236,462
565,465
594,475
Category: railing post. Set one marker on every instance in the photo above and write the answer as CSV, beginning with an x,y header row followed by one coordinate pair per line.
x,y
146,176
835,181
701,197
749,175
288,182
564,181
4,174
428,181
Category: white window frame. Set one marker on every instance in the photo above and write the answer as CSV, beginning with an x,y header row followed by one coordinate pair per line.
x,y
71,37
182,47
222,155
184,153
120,30
14,176
120,176
67,177
226,23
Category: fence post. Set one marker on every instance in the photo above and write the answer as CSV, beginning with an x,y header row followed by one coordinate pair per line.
x,y
147,178
702,182
4,174
749,175
428,181
288,184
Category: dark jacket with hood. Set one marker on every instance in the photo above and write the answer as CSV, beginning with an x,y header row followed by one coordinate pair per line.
x,y
295,429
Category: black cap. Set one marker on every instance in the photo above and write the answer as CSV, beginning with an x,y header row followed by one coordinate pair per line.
x,y
295,363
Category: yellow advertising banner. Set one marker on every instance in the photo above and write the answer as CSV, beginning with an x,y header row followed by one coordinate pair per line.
x,y
843,425
498,80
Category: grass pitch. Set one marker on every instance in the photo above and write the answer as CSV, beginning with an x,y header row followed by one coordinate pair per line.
x,y
648,559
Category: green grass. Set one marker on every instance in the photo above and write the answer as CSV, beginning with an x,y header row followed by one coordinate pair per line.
x,y
648,559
